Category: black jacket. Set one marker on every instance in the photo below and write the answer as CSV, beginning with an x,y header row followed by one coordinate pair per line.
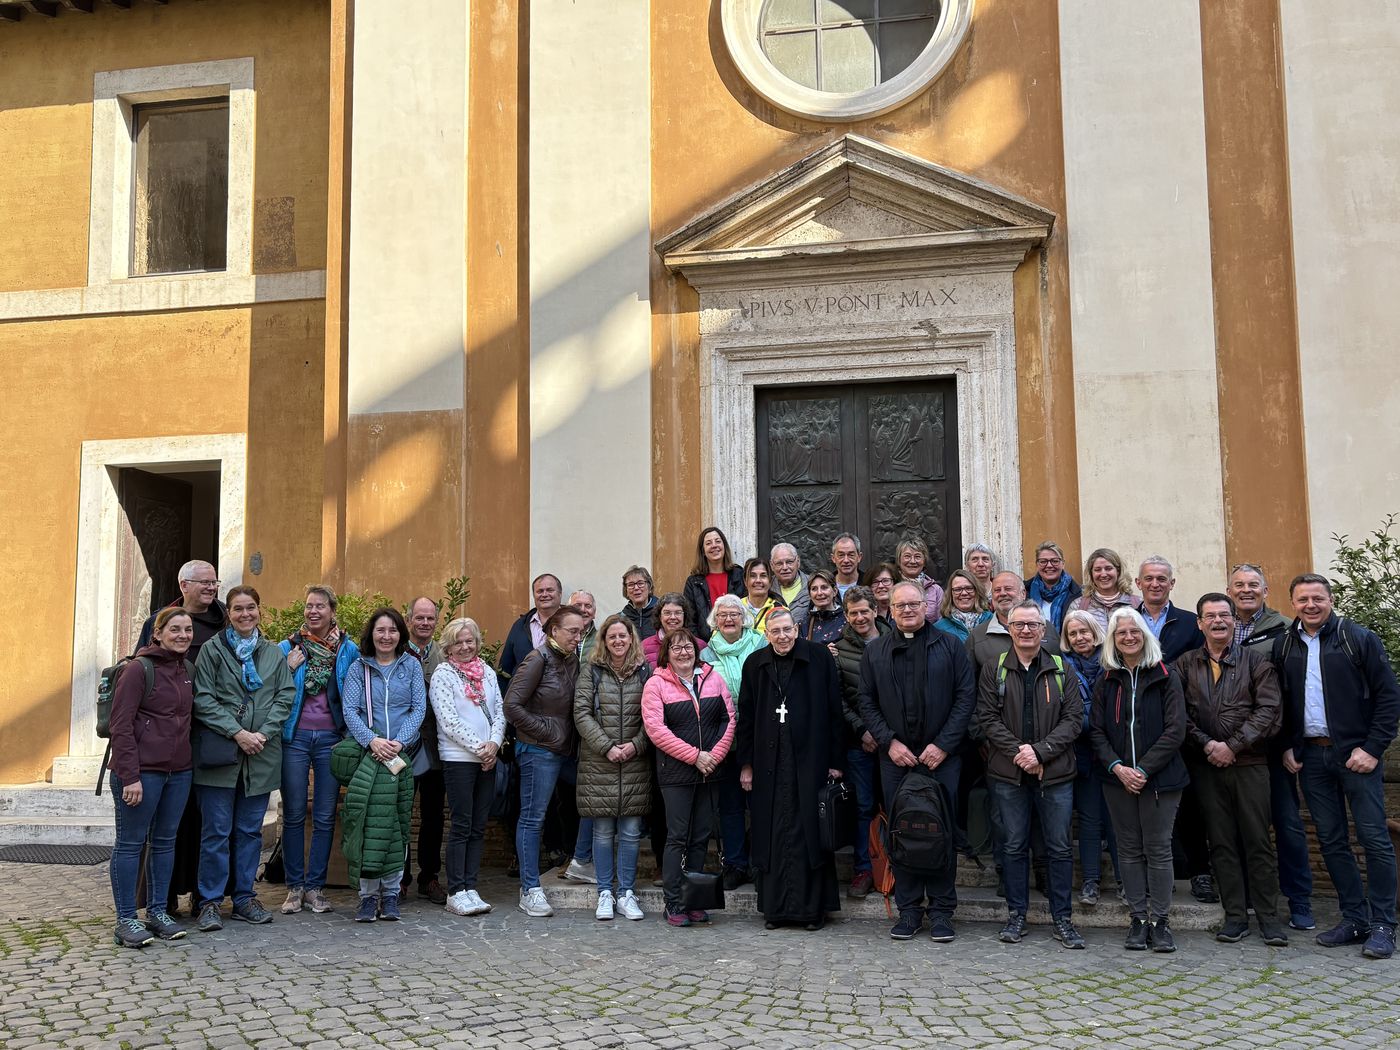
x,y
642,619
1362,702
1180,634
206,625
941,715
1145,730
697,592
519,644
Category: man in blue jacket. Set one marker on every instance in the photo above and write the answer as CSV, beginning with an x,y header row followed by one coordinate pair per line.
x,y
1341,709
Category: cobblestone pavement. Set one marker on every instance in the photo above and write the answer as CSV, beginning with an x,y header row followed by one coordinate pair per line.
x,y
507,981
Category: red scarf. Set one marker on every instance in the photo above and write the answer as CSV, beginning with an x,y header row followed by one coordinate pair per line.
x,y
471,673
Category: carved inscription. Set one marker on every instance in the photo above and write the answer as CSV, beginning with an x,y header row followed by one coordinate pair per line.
x,y
931,297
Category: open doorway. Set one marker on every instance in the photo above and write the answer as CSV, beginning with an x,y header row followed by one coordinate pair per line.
x,y
169,515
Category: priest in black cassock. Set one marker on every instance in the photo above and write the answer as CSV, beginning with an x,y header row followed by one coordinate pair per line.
x,y
790,739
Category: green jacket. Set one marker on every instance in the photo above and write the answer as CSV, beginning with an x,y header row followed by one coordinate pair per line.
x,y
375,818
218,694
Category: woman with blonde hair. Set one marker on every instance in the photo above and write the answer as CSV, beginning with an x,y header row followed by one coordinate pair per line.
x,y
1106,588
471,724
614,761
963,607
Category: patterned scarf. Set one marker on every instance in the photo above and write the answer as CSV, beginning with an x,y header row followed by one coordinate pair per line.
x,y
1056,597
970,619
243,649
320,658
471,673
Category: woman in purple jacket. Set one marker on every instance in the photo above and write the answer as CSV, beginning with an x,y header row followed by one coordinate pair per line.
x,y
150,774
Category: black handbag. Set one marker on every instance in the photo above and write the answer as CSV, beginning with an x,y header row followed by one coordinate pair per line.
x,y
836,815
214,750
702,891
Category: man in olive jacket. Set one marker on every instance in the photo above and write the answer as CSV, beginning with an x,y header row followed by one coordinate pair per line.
x,y
1232,711
1030,723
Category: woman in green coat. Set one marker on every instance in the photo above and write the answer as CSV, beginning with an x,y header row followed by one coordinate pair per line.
x,y
242,693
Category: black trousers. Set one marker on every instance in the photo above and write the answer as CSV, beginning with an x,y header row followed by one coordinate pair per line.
x,y
432,814
1235,801
690,812
1190,848
470,792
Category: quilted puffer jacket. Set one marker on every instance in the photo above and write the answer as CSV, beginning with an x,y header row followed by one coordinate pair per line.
x,y
377,812
608,712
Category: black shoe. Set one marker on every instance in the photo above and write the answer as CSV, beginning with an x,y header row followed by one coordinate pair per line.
x,y
814,925
734,878
770,925
1137,936
907,927
940,930
1380,944
1274,935
131,933
252,911
1203,889
1162,939
209,920
433,891
1342,934
1063,931
1233,931
1014,930
163,926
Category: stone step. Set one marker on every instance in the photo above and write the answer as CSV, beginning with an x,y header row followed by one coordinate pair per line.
x,y
975,904
45,799
51,830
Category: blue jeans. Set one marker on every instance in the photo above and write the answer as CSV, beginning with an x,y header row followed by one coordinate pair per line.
x,y
158,814
226,812
308,749
1094,827
733,818
860,773
628,831
583,841
1290,837
1330,789
539,772
1055,807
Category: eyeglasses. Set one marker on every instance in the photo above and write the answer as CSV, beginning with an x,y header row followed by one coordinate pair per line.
x,y
1047,562
205,583
634,583
1209,617
964,590
1024,628
906,606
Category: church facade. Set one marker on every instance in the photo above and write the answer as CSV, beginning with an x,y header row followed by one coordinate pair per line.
x,y
378,294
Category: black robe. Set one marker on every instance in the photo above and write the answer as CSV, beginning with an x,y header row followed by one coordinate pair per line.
x,y
790,759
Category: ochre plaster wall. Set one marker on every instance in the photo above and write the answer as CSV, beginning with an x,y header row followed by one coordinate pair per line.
x,y
46,83
994,114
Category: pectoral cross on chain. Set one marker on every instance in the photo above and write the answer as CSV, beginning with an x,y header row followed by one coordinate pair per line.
x,y
781,711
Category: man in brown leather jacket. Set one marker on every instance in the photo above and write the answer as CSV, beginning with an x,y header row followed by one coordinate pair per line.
x,y
1233,707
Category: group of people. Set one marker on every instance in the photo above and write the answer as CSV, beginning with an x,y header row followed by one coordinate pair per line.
x,y
724,708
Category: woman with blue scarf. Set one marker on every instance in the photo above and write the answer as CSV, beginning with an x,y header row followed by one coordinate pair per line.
x,y
242,693
1051,587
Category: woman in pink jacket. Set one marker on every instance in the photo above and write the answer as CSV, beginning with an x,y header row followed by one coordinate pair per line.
x,y
689,717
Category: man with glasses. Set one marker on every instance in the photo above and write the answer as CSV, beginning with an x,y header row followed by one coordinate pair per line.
x,y
1233,708
1256,627
790,582
988,641
1031,722
916,699
199,596
1051,587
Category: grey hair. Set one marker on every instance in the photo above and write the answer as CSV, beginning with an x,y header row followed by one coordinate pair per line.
x,y
847,536
188,570
588,593
452,633
735,601
1033,606
790,549
996,562
1079,616
780,610
1246,566
1151,648
1156,559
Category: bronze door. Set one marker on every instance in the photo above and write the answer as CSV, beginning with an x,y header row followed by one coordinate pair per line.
x,y
154,542
876,459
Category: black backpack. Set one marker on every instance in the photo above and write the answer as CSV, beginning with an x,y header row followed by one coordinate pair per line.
x,y
922,833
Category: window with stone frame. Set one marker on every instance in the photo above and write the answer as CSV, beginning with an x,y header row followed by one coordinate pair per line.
x,y
843,46
180,202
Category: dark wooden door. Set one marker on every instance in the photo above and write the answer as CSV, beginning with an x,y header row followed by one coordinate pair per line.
x,y
154,542
876,459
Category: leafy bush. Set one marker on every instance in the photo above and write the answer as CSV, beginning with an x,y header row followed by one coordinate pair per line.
x,y
1366,583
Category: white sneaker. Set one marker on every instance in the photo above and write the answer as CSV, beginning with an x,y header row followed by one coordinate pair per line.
x,y
459,903
534,903
475,905
604,911
577,872
293,903
630,907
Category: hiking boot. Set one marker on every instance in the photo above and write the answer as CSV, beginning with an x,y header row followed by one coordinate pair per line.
x,y
1161,937
1063,931
1203,889
677,918
1342,934
1089,895
292,904
940,929
1274,935
209,920
163,926
629,907
475,905
252,911
861,886
1380,944
535,904
457,903
1136,940
734,878
131,933
909,924
1013,931
1232,931
318,902
1301,918
368,910
433,891
580,871
604,911
389,907
698,916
